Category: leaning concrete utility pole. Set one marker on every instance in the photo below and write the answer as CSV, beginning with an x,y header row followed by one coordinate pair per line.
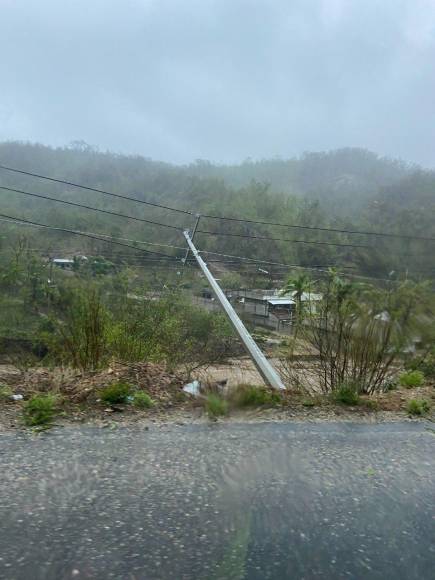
x,y
264,367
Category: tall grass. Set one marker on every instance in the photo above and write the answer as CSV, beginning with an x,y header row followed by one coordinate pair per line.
x,y
216,406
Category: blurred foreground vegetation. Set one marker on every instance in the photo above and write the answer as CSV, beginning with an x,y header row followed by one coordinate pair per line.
x,y
85,318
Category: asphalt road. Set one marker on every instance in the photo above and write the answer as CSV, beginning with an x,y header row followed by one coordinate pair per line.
x,y
223,501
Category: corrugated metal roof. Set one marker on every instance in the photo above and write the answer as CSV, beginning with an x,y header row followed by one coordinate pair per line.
x,y
281,302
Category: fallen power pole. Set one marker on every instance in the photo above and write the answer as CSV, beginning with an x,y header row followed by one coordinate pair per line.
x,y
263,366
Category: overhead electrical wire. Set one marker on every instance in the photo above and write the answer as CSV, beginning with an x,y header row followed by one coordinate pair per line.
x,y
137,258
87,235
102,191
320,229
267,238
167,258
139,241
12,221
127,216
130,257
257,261
136,261
292,265
75,204
96,237
101,237
209,216
274,270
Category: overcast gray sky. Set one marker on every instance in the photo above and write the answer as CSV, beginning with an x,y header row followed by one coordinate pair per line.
x,y
222,80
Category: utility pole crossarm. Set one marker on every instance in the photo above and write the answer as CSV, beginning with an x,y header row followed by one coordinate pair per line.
x,y
263,366
198,217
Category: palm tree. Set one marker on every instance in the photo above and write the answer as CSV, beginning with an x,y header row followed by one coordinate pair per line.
x,y
297,286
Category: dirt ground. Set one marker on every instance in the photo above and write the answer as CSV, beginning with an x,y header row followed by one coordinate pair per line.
x,y
80,403
235,372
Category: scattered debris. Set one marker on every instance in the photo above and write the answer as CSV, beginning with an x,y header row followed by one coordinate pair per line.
x,y
197,389
79,396
193,388
78,387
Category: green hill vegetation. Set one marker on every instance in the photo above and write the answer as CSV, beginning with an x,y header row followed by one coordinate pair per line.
x,y
350,190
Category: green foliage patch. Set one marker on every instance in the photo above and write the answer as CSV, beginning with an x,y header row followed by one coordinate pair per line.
x,y
115,393
254,396
346,395
418,407
412,379
5,392
142,400
216,406
40,410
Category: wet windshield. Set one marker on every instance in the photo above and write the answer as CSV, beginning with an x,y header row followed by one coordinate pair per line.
x,y
217,309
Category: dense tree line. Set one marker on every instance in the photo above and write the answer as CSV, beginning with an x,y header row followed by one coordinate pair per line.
x,y
350,189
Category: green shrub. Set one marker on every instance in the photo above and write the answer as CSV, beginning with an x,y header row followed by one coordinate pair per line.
x,y
216,406
418,407
255,396
40,410
346,395
363,331
370,404
5,392
115,393
142,400
412,379
424,364
80,329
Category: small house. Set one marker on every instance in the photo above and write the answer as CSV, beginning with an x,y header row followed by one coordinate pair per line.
x,y
64,263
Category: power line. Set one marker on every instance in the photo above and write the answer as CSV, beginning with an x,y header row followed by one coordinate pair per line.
x,y
107,236
121,259
44,251
257,261
319,229
131,257
86,235
241,259
242,220
235,262
293,266
274,271
71,183
127,216
249,236
139,241
71,203
75,204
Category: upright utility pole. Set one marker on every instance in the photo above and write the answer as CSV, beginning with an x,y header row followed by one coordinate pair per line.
x,y
264,367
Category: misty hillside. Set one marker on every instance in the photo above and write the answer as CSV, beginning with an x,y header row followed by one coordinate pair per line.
x,y
349,172
344,174
344,189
